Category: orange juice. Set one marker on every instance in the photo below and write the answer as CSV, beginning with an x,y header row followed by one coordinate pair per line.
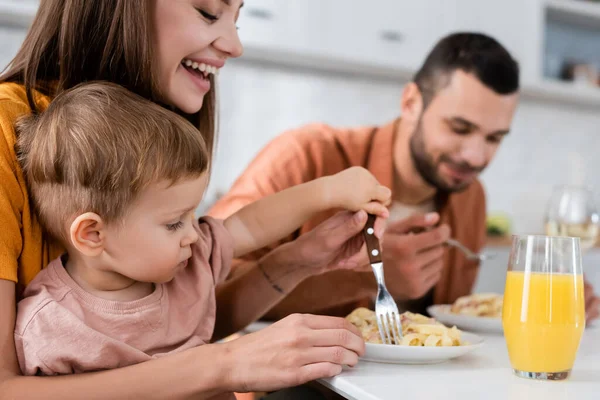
x,y
543,318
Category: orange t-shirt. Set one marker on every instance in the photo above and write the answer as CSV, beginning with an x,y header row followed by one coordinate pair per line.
x,y
24,248
319,150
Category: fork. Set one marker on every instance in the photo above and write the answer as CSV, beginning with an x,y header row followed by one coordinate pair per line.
x,y
386,310
470,254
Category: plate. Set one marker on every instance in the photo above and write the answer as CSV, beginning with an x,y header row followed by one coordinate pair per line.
x,y
465,322
256,326
392,354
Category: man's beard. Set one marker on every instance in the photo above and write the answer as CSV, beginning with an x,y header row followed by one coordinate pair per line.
x,y
428,168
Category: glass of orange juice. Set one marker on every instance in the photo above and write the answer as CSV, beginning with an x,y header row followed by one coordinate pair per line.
x,y
543,313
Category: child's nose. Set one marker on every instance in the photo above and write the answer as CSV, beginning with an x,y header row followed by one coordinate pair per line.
x,y
190,237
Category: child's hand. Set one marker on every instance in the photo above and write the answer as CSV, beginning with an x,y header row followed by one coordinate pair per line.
x,y
357,189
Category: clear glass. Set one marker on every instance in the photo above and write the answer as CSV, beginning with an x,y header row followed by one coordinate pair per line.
x,y
572,212
543,314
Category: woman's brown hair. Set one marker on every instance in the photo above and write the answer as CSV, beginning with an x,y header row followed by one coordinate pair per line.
x,y
76,41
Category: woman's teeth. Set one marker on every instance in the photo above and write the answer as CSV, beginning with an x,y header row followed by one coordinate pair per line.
x,y
202,67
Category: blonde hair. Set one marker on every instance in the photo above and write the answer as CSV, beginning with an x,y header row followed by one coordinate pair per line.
x,y
96,147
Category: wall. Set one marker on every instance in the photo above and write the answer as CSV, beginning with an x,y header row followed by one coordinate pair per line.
x,y
10,41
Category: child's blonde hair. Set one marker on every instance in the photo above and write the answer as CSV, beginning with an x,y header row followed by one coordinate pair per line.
x,y
96,147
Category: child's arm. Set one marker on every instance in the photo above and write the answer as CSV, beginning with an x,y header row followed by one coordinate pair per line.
x,y
274,217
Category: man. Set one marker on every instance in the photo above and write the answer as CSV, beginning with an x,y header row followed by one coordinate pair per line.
x,y
455,114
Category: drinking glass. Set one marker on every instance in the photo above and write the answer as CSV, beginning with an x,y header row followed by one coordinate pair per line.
x,y
543,313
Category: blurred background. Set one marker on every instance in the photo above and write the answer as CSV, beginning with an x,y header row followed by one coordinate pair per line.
x,y
344,62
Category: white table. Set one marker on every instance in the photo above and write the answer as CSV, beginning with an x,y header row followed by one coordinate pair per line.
x,y
482,374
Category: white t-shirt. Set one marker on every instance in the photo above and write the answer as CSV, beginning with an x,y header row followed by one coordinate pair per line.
x,y
400,211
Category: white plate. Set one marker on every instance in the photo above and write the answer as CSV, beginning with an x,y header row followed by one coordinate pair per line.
x,y
465,322
256,326
391,354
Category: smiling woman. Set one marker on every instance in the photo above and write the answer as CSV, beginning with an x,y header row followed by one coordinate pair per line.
x,y
168,52
141,45
193,40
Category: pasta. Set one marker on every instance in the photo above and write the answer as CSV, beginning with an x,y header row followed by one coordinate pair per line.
x,y
479,305
417,329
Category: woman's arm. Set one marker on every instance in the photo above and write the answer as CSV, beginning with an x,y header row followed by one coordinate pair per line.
x,y
293,351
179,376
334,244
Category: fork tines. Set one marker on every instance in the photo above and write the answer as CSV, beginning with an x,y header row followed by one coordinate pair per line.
x,y
389,327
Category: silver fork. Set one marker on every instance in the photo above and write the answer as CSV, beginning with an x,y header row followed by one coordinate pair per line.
x,y
470,254
386,310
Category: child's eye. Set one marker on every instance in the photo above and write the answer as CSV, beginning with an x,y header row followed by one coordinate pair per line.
x,y
173,227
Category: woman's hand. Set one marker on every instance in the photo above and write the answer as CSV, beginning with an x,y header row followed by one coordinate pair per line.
x,y
293,351
592,303
336,243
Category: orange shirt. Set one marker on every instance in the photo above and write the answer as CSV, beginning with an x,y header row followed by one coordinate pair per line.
x,y
318,150
24,248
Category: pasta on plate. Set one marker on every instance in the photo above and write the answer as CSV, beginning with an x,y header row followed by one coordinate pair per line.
x,y
417,329
479,305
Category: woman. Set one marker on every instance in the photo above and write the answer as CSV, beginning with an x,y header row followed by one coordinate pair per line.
x,y
169,52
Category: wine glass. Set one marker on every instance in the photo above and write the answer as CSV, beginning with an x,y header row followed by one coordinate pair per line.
x,y
572,212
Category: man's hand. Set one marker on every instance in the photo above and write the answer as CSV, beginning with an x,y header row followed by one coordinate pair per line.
x,y
592,303
414,261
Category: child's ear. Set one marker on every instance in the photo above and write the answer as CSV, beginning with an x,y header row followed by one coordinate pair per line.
x,y
87,234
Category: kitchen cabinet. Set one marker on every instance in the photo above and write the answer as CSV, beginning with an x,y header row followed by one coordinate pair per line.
x,y
378,33
385,39
390,33
17,13
517,24
399,33
275,25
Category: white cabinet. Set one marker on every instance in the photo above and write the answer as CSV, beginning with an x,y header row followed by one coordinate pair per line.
x,y
285,25
260,23
379,33
514,23
17,13
401,33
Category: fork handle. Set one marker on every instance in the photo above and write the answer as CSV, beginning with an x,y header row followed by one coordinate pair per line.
x,y
371,240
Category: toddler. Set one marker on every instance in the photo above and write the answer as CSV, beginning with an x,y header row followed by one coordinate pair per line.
x,y
117,179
